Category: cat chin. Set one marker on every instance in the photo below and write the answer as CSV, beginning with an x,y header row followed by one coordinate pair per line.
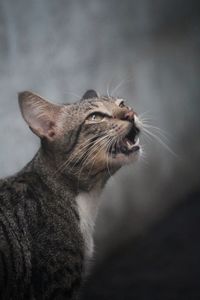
x,y
121,159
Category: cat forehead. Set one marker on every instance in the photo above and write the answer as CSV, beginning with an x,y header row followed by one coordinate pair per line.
x,y
103,104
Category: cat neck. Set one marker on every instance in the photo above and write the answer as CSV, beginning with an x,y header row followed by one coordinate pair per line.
x,y
60,183
65,187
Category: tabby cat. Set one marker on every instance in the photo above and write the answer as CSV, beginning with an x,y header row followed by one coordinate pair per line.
x,y
47,210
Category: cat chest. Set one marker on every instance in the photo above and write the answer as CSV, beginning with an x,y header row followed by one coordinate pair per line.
x,y
87,204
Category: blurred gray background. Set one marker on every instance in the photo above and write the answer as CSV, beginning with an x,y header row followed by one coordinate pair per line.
x,y
150,50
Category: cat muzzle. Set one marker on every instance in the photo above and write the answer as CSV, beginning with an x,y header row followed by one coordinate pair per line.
x,y
128,144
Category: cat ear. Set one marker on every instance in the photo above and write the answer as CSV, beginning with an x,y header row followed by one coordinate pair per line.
x,y
90,94
41,115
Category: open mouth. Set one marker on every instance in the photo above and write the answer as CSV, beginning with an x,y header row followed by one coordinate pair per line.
x,y
128,144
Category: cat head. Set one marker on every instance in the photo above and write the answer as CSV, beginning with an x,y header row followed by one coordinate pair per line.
x,y
88,140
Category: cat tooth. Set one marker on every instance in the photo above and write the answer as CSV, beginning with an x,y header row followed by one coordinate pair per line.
x,y
137,142
130,146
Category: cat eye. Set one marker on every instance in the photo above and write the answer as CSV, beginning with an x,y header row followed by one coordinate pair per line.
x,y
122,104
95,117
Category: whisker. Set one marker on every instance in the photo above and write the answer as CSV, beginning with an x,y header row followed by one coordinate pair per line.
x,y
73,94
152,131
105,146
147,112
87,143
91,151
107,160
143,156
108,87
84,154
157,138
158,132
148,125
122,82
146,122
94,158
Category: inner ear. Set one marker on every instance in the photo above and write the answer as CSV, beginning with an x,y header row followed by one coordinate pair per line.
x,y
42,116
90,94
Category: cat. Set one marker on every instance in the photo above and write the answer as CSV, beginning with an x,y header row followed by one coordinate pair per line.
x,y
48,209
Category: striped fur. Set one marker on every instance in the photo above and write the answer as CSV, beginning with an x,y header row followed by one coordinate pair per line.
x,y
47,210
41,246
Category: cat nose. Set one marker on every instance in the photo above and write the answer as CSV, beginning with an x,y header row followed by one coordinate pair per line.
x,y
129,116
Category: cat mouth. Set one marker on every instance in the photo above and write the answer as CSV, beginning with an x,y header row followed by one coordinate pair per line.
x,y
127,145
